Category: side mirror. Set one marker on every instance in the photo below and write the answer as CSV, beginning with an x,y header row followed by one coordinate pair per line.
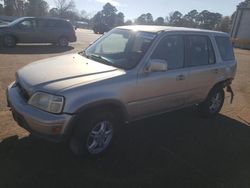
x,y
157,65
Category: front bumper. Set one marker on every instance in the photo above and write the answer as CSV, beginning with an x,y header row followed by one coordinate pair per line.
x,y
42,124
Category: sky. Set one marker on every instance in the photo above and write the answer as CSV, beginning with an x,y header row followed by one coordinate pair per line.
x,y
134,8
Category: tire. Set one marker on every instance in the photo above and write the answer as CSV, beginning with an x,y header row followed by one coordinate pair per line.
x,y
9,41
93,135
63,42
213,104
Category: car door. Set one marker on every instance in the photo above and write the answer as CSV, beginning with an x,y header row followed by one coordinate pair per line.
x,y
52,30
26,31
162,91
40,35
203,71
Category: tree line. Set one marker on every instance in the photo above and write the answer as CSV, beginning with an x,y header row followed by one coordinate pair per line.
x,y
193,19
110,16
39,8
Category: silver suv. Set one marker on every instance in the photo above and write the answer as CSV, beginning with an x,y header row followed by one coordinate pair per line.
x,y
130,73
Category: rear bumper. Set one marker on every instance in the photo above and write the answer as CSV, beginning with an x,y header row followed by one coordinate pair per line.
x,y
73,39
39,123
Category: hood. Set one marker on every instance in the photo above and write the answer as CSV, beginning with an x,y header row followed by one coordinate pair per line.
x,y
62,72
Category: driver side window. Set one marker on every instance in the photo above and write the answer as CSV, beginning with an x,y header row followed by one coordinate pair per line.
x,y
171,49
26,24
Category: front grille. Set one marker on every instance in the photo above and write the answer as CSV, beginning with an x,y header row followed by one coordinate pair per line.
x,y
23,92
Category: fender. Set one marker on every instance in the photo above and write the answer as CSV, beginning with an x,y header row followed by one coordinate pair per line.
x,y
104,103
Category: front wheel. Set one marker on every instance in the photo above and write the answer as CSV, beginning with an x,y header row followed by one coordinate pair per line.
x,y
213,104
9,41
93,135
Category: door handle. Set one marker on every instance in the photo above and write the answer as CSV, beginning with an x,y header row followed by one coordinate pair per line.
x,y
180,77
215,71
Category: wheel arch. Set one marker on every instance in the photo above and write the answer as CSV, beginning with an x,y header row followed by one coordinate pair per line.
x,y
220,84
12,35
62,36
110,104
114,105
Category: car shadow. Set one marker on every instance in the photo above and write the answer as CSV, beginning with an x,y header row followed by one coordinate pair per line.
x,y
35,49
178,149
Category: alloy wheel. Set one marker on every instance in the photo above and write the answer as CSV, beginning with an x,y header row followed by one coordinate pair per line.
x,y
215,103
100,137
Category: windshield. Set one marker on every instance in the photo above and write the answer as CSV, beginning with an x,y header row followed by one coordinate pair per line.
x,y
121,48
16,21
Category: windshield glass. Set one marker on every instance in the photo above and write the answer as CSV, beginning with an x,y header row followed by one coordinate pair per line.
x,y
121,48
16,21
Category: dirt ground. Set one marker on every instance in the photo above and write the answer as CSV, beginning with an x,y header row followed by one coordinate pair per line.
x,y
178,149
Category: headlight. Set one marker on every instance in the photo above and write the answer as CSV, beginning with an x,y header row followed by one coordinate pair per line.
x,y
47,102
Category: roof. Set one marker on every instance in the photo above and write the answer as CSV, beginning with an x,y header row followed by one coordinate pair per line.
x,y
8,18
156,29
50,18
45,17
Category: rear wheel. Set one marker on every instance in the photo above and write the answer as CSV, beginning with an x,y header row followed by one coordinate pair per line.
x,y
93,135
213,104
63,42
9,41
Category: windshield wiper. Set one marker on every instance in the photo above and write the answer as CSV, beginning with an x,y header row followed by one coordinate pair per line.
x,y
82,53
101,58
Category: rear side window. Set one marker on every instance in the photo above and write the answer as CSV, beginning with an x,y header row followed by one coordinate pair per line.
x,y
171,49
51,24
57,24
62,24
225,48
40,23
201,51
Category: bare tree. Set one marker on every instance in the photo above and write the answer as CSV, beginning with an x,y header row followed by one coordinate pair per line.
x,y
36,8
14,7
64,6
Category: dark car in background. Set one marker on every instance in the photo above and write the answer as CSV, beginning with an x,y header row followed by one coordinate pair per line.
x,y
37,30
101,28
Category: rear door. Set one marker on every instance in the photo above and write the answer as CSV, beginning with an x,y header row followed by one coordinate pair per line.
x,y
203,70
161,91
52,30
41,34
